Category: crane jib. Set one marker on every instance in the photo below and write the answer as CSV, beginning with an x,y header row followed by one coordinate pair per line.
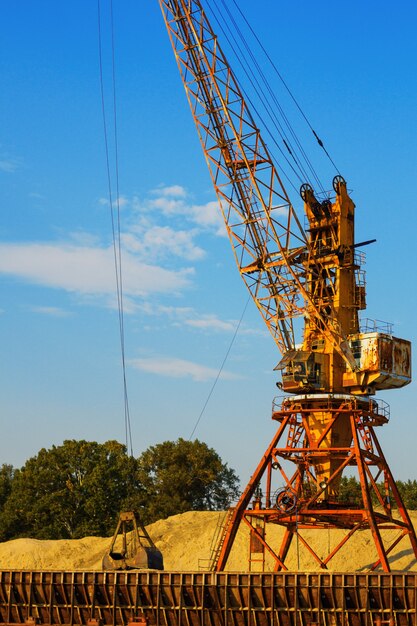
x,y
258,213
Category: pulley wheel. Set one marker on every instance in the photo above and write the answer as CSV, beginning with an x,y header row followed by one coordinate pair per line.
x,y
286,501
305,187
337,180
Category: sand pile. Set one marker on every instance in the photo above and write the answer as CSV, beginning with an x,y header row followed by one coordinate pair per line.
x,y
185,541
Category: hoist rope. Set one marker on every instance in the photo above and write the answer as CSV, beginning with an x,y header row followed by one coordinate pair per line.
x,y
246,61
319,141
221,368
252,80
116,231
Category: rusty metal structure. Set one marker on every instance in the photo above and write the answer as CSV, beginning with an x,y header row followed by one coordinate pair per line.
x,y
307,282
131,546
207,599
310,278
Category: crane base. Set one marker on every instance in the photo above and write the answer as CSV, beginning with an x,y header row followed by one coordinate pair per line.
x,y
320,435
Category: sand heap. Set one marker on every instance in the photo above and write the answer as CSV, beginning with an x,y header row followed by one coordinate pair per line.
x,y
185,542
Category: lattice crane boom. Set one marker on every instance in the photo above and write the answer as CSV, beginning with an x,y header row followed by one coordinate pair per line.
x,y
270,246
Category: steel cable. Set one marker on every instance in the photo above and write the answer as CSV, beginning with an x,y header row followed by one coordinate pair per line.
x,y
319,141
252,75
117,254
221,368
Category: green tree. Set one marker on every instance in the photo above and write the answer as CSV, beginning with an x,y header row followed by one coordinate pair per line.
x,y
70,491
350,490
79,488
6,479
182,475
408,492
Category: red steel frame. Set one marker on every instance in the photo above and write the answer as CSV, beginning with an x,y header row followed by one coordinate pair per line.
x,y
302,503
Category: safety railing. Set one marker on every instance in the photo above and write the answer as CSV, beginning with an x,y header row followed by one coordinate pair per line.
x,y
329,401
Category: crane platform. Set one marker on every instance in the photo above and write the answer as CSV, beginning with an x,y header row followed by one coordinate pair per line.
x,y
101,598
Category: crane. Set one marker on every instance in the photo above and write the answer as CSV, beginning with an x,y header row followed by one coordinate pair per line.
x,y
330,368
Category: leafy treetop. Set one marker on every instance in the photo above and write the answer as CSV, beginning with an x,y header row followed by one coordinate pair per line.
x,y
78,488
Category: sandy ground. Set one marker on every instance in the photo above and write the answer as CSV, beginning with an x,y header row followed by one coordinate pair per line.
x,y
185,541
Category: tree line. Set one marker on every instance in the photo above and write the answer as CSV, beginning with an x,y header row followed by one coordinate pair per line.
x,y
77,489
350,491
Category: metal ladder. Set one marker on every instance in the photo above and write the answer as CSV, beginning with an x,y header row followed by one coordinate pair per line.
x,y
219,538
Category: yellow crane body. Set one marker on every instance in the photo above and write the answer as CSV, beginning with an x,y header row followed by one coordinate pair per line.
x,y
337,290
307,281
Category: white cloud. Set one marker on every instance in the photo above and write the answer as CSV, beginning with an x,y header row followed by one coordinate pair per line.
x,y
180,313
211,322
163,241
157,233
207,322
87,270
52,311
173,201
9,165
179,368
120,202
151,230
83,239
169,206
209,216
177,191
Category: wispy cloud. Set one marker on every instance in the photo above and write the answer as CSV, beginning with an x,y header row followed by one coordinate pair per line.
x,y
209,216
166,223
162,241
179,368
87,270
51,311
176,191
175,201
209,322
9,165
119,202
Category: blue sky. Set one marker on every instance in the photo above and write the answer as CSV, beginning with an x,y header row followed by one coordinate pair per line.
x,y
351,66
